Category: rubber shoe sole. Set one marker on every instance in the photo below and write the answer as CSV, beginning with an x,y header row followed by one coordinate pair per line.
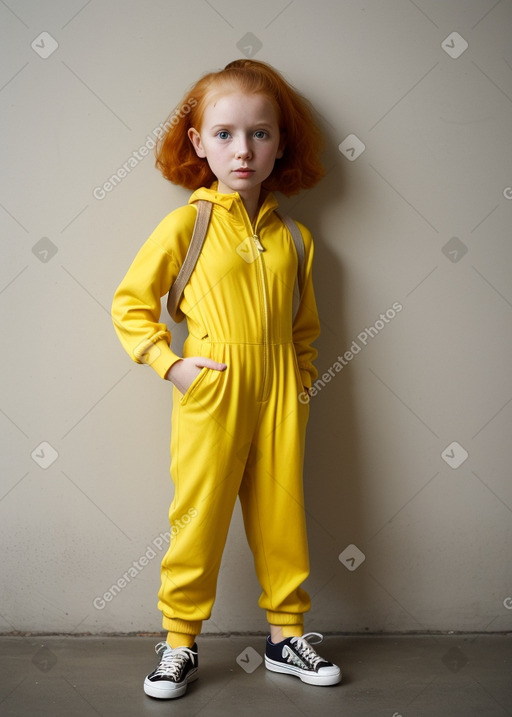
x,y
166,690
311,678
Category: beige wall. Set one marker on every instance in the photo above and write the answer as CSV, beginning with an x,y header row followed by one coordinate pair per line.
x,y
391,228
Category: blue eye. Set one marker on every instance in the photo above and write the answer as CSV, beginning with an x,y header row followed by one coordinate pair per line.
x,y
223,134
260,134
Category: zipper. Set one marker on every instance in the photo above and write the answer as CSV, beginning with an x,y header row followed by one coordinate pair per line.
x,y
265,323
263,291
259,245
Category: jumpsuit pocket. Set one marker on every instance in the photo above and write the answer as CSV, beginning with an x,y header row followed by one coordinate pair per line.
x,y
195,383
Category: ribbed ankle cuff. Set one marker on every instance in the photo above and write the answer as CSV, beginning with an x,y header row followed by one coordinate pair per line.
x,y
285,618
185,627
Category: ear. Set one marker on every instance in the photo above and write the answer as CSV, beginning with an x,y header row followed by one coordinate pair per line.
x,y
195,138
282,145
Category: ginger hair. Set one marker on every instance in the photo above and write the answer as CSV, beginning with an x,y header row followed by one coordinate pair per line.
x,y
299,167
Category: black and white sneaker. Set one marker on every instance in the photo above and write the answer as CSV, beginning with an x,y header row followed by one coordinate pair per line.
x,y
295,656
175,670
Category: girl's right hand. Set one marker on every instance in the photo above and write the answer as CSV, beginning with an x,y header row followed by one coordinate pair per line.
x,y
184,371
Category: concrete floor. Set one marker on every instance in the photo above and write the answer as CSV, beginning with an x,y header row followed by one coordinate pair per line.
x,y
385,676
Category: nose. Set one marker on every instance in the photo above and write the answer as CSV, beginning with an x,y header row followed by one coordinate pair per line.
x,y
243,150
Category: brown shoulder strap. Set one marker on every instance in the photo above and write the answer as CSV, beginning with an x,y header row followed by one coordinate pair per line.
x,y
204,210
299,247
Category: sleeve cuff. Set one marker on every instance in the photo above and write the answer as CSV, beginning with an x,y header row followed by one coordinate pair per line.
x,y
160,357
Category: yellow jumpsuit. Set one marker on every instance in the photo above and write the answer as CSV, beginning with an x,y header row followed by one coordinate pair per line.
x,y
238,432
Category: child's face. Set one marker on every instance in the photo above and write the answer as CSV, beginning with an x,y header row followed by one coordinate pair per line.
x,y
240,138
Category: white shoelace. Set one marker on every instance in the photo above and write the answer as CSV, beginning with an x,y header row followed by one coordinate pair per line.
x,y
172,661
305,650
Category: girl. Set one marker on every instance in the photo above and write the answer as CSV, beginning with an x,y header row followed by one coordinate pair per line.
x,y
239,416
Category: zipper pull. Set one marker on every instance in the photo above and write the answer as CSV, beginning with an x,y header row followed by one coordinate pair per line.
x,y
259,245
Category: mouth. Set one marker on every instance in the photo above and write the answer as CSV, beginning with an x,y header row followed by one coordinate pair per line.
x,y
243,172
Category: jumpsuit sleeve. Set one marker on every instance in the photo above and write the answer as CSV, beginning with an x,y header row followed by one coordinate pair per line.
x,y
306,326
136,304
